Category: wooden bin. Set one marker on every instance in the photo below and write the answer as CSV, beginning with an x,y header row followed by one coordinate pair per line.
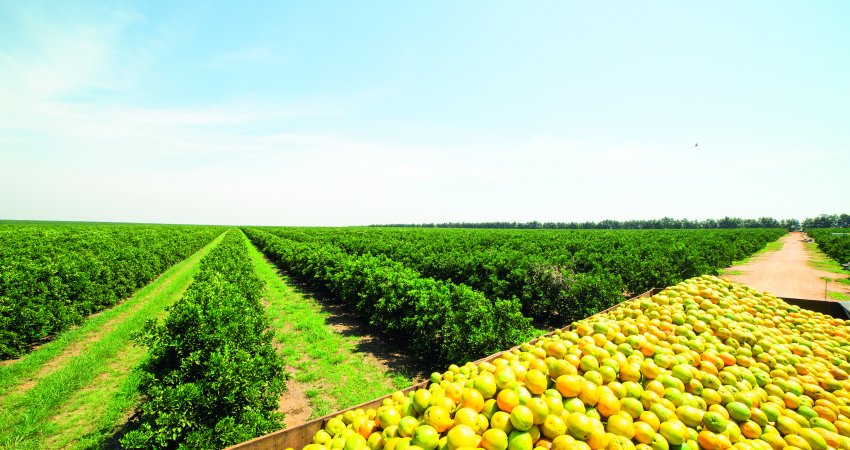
x,y
298,437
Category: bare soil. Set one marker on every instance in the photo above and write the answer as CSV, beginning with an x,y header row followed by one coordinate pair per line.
x,y
294,403
786,272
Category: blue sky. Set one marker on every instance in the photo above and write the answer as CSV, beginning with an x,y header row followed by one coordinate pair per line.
x,y
346,113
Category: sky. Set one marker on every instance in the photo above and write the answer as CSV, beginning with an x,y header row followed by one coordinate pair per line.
x,y
356,113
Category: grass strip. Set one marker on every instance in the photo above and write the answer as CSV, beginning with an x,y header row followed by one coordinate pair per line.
x,y
770,247
821,261
337,374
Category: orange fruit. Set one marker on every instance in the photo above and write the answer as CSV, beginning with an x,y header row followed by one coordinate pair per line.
x,y
556,349
650,418
553,426
355,442
569,385
462,436
750,429
649,369
465,416
813,439
598,438
674,431
375,441
454,392
407,424
689,415
435,416
589,394
579,425
565,442
507,399
620,443
522,418
629,372
607,403
502,421
536,381
644,432
558,367
631,406
494,439
388,416
472,398
421,400
588,363
505,377
539,409
621,425
426,437
774,440
520,440
485,383
708,440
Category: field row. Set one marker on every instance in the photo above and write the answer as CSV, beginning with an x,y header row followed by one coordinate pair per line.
x,y
556,275
225,324
835,242
225,312
53,276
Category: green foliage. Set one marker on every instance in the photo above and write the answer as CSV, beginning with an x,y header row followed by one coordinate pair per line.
x,y
558,276
53,276
665,223
835,242
212,377
436,319
827,221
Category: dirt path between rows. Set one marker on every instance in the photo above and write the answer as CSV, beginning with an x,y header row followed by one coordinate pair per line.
x,y
786,272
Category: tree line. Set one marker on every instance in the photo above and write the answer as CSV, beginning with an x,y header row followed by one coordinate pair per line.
x,y
822,221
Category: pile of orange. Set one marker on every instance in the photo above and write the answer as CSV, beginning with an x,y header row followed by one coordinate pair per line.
x,y
706,364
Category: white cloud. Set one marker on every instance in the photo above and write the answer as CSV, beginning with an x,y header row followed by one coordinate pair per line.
x,y
248,55
66,157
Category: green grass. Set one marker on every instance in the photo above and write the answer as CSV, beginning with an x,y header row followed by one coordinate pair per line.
x,y
840,296
768,248
335,373
731,272
819,260
72,392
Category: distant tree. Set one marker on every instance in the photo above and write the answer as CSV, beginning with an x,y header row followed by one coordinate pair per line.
x,y
822,221
768,222
790,224
728,222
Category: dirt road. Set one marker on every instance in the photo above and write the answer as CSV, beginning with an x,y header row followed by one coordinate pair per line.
x,y
786,272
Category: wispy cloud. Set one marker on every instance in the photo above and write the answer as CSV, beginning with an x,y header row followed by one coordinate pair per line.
x,y
249,55
76,144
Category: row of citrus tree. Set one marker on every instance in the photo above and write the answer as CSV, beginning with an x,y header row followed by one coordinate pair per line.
x,y
212,377
436,320
835,242
53,275
557,275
